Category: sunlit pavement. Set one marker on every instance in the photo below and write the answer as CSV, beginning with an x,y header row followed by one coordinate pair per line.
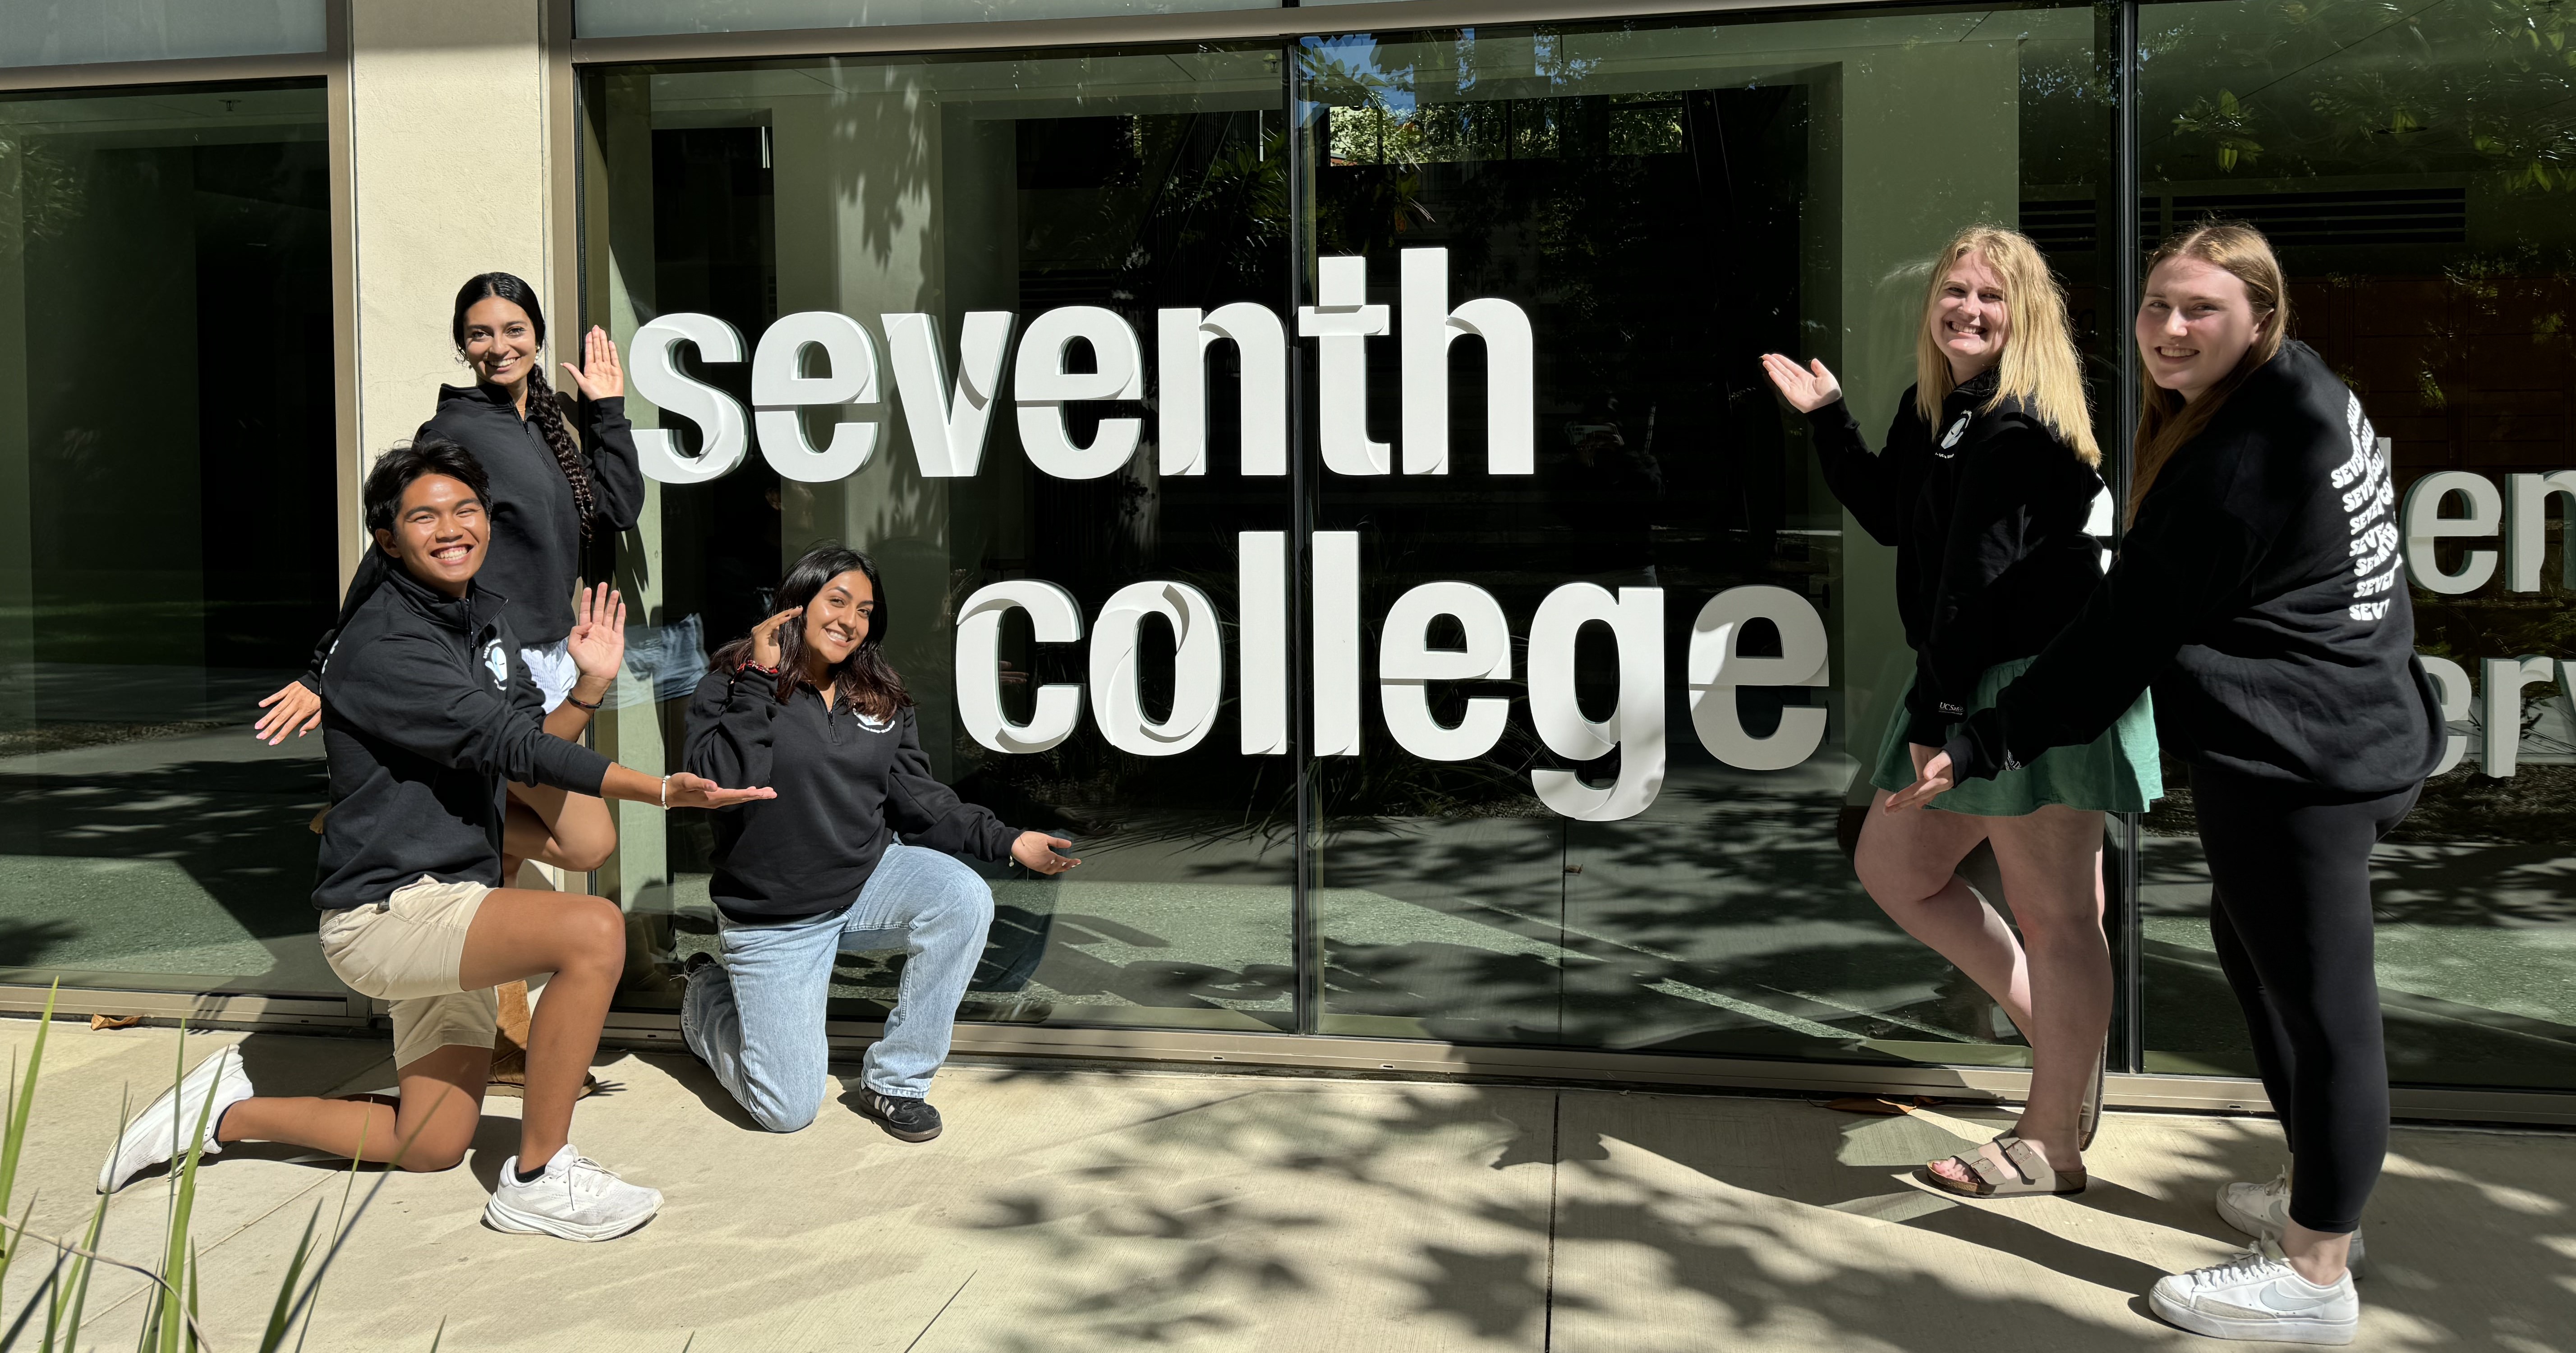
x,y
1093,1209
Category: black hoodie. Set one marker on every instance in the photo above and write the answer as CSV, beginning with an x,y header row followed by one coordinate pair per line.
x,y
846,783
426,710
1987,514
535,552
2263,594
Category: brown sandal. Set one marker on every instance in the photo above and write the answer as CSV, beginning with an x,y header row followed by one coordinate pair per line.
x,y
2024,1174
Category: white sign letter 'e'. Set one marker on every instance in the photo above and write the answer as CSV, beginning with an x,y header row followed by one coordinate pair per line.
x,y
779,386
1715,671
1046,387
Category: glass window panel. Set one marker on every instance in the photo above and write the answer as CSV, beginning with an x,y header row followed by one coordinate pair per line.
x,y
948,187
51,33
2418,172
640,18
1664,202
168,509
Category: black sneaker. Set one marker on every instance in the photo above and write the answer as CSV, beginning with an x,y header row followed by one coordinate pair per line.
x,y
909,1120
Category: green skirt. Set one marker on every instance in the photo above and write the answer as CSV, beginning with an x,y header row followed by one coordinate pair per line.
x,y
2114,773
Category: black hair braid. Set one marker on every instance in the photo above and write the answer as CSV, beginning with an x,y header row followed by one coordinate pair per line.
x,y
557,430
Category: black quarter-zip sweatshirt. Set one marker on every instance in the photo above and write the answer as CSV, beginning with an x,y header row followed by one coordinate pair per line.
x,y
534,557
1987,513
846,784
427,711
2263,594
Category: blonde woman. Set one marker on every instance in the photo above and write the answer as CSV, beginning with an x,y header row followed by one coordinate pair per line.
x,y
2261,591
1984,488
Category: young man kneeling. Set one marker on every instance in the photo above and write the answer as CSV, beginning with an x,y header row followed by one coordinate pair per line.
x,y
428,718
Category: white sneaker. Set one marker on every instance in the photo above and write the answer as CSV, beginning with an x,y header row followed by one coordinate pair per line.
x,y
159,1134
2257,1295
576,1198
2263,1210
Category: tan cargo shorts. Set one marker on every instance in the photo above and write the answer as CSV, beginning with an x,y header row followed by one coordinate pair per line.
x,y
410,949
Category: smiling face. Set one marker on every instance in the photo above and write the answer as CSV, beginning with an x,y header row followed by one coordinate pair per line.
x,y
2195,323
439,533
1969,321
500,342
838,618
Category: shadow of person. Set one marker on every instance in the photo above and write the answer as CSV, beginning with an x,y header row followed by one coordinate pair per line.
x,y
695,1077
1993,1226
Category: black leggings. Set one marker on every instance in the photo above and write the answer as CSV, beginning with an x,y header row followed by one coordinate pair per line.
x,y
2289,869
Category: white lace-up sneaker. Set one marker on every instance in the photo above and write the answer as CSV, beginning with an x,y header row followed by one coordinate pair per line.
x,y
159,1134
575,1198
2263,1210
2258,1296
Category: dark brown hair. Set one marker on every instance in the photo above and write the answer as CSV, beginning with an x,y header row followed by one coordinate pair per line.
x,y
864,681
551,423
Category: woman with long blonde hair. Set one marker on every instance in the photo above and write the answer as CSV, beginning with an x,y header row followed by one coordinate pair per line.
x,y
2260,591
1985,488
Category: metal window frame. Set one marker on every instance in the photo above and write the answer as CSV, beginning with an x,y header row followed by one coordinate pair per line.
x,y
564,54
330,66
2129,1085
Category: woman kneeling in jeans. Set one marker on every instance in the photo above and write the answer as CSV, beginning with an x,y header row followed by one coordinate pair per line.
x,y
809,699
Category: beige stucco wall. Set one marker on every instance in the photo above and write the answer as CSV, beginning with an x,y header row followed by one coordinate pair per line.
x,y
448,122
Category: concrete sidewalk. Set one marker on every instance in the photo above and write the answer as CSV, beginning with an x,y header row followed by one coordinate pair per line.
x,y
1082,1210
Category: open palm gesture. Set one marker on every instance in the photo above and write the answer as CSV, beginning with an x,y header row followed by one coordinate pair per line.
x,y
1807,388
599,376
597,641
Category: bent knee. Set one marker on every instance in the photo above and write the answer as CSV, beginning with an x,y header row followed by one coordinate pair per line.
x,y
593,927
778,1116
430,1157
582,859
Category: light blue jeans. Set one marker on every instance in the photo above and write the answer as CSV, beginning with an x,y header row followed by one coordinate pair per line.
x,y
756,1019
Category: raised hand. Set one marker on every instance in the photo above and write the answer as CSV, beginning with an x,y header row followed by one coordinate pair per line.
x,y
1807,388
599,376
764,636
294,709
1036,850
683,790
597,641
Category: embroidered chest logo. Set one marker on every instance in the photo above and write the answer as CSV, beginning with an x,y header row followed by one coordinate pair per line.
x,y
874,724
498,664
1957,430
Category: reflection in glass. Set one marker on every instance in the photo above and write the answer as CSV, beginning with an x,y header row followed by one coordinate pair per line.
x,y
944,188
2417,178
1665,202
167,509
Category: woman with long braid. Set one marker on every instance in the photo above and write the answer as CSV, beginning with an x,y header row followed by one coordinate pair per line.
x,y
549,497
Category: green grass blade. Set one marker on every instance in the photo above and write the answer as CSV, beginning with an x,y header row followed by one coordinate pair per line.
x,y
339,1226
175,1262
79,1283
440,1337
22,1098
391,1166
276,1335
27,1312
